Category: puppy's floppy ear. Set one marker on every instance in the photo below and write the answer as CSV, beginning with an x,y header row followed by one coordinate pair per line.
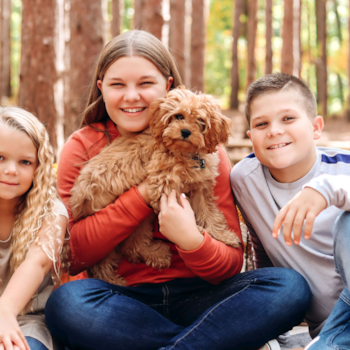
x,y
156,115
219,129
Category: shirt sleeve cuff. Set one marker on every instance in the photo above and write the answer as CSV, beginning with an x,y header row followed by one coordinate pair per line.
x,y
135,204
203,252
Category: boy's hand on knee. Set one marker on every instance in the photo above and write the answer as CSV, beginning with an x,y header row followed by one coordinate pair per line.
x,y
305,206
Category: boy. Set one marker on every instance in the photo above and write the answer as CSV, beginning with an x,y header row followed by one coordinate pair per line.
x,y
284,125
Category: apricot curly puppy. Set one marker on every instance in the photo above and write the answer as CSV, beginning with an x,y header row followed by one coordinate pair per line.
x,y
178,151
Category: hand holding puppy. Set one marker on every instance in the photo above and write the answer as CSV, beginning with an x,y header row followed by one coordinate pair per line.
x,y
305,206
177,222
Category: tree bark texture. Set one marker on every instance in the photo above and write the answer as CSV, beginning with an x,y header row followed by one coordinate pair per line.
x,y
5,48
177,34
269,34
237,12
117,16
37,67
198,32
297,48
287,37
138,20
148,16
321,62
86,42
251,40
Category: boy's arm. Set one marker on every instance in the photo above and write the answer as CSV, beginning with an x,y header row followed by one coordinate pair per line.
x,y
21,287
317,195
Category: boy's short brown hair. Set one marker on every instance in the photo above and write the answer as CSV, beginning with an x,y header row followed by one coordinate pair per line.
x,y
277,82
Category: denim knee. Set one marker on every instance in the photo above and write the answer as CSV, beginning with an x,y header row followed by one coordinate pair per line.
x,y
295,288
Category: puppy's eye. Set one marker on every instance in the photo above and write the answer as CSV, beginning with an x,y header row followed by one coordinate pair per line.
x,y
201,124
179,117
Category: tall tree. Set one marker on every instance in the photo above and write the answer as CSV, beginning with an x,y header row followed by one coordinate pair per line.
x,y
251,40
117,16
287,38
291,48
5,48
86,42
237,12
177,34
297,49
198,31
269,33
148,16
321,63
138,20
37,67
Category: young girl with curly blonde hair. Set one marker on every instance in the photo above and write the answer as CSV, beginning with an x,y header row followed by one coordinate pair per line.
x,y
32,228
199,302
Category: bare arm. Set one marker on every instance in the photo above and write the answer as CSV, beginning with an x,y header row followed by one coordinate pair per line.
x,y
20,289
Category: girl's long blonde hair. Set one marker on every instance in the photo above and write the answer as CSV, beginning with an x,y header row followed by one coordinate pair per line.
x,y
38,204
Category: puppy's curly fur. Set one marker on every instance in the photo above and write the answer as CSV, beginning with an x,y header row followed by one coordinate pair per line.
x,y
178,151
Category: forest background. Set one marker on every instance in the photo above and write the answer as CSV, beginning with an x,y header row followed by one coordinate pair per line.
x,y
48,48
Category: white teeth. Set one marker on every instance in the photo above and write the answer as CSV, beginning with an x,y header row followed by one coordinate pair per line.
x,y
133,110
278,146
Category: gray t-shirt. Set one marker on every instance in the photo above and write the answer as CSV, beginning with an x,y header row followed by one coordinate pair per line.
x,y
33,324
260,197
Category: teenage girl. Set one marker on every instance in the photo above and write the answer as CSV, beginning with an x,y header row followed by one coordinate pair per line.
x,y
32,227
201,301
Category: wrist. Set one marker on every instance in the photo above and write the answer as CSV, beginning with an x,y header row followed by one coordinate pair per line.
x,y
191,242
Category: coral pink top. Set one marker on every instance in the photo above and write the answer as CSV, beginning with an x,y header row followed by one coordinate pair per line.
x,y
95,236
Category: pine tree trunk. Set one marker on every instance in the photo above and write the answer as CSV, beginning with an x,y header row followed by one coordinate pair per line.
x,y
177,34
287,37
37,68
321,63
251,40
269,33
237,12
297,49
198,32
138,20
148,16
86,42
5,49
117,16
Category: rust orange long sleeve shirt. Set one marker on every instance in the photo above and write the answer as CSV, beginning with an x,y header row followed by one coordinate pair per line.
x,y
95,236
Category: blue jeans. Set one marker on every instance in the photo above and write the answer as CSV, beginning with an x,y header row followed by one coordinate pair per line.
x,y
35,344
336,332
242,312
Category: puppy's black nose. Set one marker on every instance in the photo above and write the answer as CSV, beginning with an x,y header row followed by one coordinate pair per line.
x,y
185,133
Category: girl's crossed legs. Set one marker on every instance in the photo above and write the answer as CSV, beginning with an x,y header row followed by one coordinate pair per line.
x,y
242,312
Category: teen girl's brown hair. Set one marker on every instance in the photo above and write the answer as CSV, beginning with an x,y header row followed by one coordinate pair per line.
x,y
277,82
131,43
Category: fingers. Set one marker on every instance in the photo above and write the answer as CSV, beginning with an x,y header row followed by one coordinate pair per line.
x,y
19,342
309,223
184,201
7,343
163,202
278,222
24,340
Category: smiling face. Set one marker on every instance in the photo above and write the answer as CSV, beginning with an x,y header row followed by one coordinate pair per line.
x,y
18,162
282,134
128,88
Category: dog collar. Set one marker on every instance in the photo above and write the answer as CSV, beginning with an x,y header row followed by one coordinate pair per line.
x,y
201,162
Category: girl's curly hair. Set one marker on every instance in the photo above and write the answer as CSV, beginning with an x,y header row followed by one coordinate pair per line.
x,y
38,203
